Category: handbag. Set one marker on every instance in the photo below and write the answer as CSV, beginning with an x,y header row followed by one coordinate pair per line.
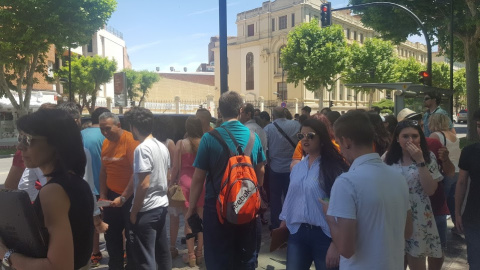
x,y
175,192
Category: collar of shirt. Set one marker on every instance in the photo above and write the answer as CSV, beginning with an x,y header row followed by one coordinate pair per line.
x,y
280,120
364,159
315,162
251,121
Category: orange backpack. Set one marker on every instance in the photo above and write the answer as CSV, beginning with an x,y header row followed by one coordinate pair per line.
x,y
238,200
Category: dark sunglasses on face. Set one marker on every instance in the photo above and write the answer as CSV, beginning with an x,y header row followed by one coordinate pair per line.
x,y
27,139
407,123
308,135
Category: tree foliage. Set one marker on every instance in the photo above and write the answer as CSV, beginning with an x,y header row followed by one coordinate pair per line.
x,y
147,79
459,86
407,70
393,23
139,83
29,28
88,74
372,62
315,55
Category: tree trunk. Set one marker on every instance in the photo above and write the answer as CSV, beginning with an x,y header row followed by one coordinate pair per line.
x,y
471,70
320,98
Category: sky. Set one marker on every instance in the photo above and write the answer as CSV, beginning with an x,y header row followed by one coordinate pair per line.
x,y
162,33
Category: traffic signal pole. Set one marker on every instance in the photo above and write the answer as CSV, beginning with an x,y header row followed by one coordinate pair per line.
x,y
419,22
223,46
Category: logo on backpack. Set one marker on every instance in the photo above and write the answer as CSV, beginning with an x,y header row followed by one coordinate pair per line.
x,y
238,200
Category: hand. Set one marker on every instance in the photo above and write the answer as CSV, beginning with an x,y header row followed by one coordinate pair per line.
x,y
459,223
117,202
415,152
101,227
133,218
325,206
443,154
3,249
333,256
189,213
283,224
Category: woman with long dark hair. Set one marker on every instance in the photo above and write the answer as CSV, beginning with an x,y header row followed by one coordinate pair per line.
x,y
310,180
51,140
409,155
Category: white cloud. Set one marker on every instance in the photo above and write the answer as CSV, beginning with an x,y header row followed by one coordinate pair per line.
x,y
144,46
211,9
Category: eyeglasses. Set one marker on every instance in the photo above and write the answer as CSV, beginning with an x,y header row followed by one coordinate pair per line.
x,y
26,139
407,123
426,98
308,135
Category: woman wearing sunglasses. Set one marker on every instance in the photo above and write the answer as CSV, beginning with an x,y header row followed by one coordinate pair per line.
x,y
51,140
310,180
409,155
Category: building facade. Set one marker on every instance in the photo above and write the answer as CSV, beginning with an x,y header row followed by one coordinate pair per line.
x,y
254,55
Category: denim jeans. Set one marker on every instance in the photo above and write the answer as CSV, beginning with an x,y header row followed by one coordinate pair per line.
x,y
228,246
472,238
279,183
441,222
449,186
149,241
309,244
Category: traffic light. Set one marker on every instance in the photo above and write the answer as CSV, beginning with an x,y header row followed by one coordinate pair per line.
x,y
326,14
426,78
331,104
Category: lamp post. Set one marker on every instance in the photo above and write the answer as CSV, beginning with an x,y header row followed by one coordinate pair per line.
x,y
70,96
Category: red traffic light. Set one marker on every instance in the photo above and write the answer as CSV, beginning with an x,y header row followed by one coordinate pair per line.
x,y
424,74
325,8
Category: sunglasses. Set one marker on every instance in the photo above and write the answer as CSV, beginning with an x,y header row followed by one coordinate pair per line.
x,y
309,135
27,139
407,123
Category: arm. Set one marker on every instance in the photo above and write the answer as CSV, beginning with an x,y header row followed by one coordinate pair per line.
x,y
176,159
344,234
409,225
13,177
55,207
196,189
460,192
260,172
447,165
143,185
429,185
103,183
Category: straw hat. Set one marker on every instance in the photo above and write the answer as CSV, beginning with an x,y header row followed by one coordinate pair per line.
x,y
407,114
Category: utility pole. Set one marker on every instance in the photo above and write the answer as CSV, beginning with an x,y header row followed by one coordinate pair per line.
x,y
223,46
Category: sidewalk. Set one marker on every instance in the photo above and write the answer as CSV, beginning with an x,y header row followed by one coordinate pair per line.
x,y
456,254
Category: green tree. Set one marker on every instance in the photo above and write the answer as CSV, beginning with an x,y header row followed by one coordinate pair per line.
x,y
315,56
29,28
459,86
372,62
407,70
393,23
88,74
441,75
147,79
133,79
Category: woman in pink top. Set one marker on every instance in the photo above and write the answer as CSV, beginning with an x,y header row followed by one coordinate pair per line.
x,y
182,172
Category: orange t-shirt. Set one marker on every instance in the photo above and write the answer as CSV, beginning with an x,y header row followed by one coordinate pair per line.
x,y
298,154
117,158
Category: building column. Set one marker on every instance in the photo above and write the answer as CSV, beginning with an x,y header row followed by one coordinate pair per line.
x,y
261,100
177,104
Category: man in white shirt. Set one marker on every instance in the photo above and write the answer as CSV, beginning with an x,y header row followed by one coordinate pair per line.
x,y
149,208
369,211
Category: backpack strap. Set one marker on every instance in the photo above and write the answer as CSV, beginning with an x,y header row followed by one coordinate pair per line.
x,y
285,135
248,148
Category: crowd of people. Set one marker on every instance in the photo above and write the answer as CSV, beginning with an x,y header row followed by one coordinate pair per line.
x,y
354,191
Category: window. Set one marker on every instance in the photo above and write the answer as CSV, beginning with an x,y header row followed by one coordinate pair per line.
x,y
90,46
282,22
282,90
355,35
273,25
293,19
249,72
251,31
361,38
348,33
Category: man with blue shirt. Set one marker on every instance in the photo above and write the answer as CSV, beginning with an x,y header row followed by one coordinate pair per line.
x,y
93,141
369,212
432,101
282,140
227,246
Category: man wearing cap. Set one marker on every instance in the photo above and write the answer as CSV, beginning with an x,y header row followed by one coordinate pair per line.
x,y
431,101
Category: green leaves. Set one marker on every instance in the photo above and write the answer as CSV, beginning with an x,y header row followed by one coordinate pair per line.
x,y
139,82
314,54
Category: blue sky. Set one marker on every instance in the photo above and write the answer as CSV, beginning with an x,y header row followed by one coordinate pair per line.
x,y
162,33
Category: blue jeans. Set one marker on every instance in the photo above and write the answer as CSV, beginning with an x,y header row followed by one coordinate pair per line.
x,y
279,183
449,184
228,246
308,245
472,238
441,222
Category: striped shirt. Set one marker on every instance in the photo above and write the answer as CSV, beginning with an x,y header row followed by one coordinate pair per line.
x,y
302,203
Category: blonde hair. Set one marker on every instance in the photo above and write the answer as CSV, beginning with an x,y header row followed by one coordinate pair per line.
x,y
438,122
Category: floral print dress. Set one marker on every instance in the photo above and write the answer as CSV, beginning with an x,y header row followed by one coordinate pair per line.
x,y
425,241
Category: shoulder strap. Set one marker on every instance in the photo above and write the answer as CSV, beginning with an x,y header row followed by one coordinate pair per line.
x,y
284,135
444,139
222,142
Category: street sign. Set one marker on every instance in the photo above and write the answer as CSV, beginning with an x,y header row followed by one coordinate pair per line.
x,y
284,105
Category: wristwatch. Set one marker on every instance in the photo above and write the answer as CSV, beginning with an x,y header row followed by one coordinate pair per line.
x,y
6,258
123,199
421,164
